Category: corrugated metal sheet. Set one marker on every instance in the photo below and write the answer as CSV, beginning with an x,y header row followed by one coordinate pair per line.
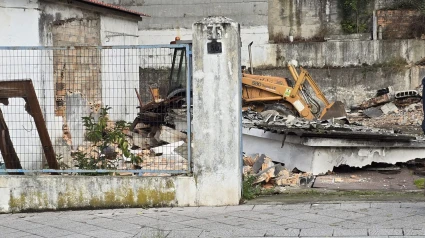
x,y
115,7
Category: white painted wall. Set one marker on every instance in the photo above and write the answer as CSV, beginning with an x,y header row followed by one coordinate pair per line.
x,y
19,24
19,27
120,67
262,51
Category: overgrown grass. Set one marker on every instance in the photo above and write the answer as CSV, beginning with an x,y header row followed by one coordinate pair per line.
x,y
420,183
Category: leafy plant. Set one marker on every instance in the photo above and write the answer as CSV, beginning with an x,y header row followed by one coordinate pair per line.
x,y
108,140
62,165
249,189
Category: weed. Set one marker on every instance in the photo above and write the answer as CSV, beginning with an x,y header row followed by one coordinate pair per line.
x,y
394,65
355,15
250,190
109,143
420,183
62,165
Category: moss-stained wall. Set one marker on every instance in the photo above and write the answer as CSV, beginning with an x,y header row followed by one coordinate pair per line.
x,y
33,193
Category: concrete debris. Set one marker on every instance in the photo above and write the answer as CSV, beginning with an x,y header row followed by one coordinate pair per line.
x,y
373,112
252,119
152,160
405,120
376,101
169,135
269,173
389,108
384,96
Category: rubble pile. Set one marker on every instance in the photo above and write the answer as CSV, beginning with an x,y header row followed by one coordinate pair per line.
x,y
411,115
389,113
270,174
272,119
400,110
160,148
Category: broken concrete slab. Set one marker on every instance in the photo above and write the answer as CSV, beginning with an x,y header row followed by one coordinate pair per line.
x,y
168,151
143,140
258,163
169,135
389,108
320,155
373,112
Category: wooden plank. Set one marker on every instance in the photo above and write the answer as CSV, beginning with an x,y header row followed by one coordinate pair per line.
x,y
6,146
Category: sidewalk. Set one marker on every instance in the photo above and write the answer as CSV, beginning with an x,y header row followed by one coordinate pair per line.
x,y
347,219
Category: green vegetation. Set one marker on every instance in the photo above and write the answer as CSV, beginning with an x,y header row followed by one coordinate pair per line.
x,y
356,15
109,143
409,4
420,183
249,189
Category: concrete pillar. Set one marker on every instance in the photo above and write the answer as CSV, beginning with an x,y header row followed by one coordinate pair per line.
x,y
217,111
375,26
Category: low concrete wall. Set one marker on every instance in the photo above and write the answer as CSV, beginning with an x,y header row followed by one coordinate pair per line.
x,y
350,53
38,193
354,85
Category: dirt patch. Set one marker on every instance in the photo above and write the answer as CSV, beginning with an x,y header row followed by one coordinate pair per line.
x,y
323,195
390,180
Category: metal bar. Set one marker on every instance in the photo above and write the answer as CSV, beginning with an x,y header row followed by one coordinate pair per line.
x,y
172,69
189,107
173,46
92,171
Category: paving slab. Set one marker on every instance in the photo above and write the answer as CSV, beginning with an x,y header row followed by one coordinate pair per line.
x,y
20,234
314,232
115,234
283,232
185,233
350,232
414,232
386,232
49,232
340,219
6,230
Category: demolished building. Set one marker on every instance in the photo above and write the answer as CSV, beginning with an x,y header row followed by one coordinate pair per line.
x,y
392,136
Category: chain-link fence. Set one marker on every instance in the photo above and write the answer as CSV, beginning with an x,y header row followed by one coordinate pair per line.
x,y
119,109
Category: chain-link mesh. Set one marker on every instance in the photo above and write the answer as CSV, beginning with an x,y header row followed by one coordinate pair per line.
x,y
103,109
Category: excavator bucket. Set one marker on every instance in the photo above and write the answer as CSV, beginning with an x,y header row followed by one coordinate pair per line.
x,y
334,110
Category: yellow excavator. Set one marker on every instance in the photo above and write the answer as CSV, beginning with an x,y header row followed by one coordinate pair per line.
x,y
274,93
263,93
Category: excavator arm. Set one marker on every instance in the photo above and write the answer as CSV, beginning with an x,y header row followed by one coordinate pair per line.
x,y
266,88
331,110
300,79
